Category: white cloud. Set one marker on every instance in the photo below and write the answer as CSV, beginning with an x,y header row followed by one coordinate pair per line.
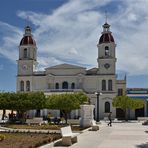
x,y
73,51
70,33
10,40
132,38
44,61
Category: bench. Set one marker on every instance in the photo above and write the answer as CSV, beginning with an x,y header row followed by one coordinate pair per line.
x,y
68,137
95,127
142,118
73,121
34,121
145,122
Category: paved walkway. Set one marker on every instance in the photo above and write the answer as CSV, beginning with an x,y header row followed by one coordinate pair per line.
x,y
120,135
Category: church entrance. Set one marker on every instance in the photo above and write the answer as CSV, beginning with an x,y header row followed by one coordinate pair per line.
x,y
139,112
120,114
65,85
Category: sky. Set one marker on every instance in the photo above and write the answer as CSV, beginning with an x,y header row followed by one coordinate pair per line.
x,y
67,31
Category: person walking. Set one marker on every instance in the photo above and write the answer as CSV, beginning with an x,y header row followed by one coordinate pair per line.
x,y
110,119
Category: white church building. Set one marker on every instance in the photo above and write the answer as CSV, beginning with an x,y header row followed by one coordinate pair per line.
x,y
72,78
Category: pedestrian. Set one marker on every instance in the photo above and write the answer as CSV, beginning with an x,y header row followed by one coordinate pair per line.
x,y
110,119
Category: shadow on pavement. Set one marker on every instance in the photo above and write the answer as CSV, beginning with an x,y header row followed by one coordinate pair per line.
x,y
144,145
58,144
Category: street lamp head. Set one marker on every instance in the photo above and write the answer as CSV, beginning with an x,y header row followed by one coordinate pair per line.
x,y
98,93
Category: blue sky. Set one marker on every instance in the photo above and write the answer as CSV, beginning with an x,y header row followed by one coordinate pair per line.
x,y
67,31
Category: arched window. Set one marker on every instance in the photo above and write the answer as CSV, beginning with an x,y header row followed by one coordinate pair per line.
x,y
57,85
22,86
106,51
65,85
120,92
103,84
73,86
107,107
25,53
110,85
27,85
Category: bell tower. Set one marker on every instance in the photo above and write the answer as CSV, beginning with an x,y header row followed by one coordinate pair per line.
x,y
27,54
106,52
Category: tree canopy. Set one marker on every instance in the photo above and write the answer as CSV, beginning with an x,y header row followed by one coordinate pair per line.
x,y
124,102
22,102
66,102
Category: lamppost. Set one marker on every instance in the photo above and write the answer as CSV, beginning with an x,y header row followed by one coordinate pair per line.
x,y
98,94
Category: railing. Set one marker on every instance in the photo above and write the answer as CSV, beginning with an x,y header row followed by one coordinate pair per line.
x,y
63,90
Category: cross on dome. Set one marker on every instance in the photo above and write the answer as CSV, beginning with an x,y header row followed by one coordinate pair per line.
x,y
28,38
106,36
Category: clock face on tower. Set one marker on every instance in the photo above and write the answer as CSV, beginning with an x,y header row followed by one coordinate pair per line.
x,y
106,65
25,67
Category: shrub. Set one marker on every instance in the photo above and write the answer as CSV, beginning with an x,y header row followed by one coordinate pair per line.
x,y
50,139
38,144
28,131
45,141
2,137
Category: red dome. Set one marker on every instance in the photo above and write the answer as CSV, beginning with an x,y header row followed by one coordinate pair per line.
x,y
106,38
27,40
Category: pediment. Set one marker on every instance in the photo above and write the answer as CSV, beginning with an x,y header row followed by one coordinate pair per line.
x,y
93,69
66,66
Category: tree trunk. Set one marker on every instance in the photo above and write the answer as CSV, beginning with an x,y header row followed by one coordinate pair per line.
x,y
22,116
65,113
4,113
65,116
126,114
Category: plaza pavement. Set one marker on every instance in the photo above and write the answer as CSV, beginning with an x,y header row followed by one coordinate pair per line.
x,y
121,135
130,134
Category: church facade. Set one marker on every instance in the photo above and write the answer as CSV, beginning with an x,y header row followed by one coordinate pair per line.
x,y
65,78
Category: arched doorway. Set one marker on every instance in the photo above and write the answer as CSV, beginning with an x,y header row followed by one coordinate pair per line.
x,y
73,86
139,112
65,85
107,107
57,85
120,114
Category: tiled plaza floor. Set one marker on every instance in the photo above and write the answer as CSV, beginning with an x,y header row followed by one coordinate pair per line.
x,y
120,135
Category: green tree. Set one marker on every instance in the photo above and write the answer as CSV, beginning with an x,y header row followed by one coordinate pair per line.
x,y
22,102
66,102
29,101
3,102
125,103
6,101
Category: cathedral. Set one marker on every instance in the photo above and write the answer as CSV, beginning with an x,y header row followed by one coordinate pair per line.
x,y
96,82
